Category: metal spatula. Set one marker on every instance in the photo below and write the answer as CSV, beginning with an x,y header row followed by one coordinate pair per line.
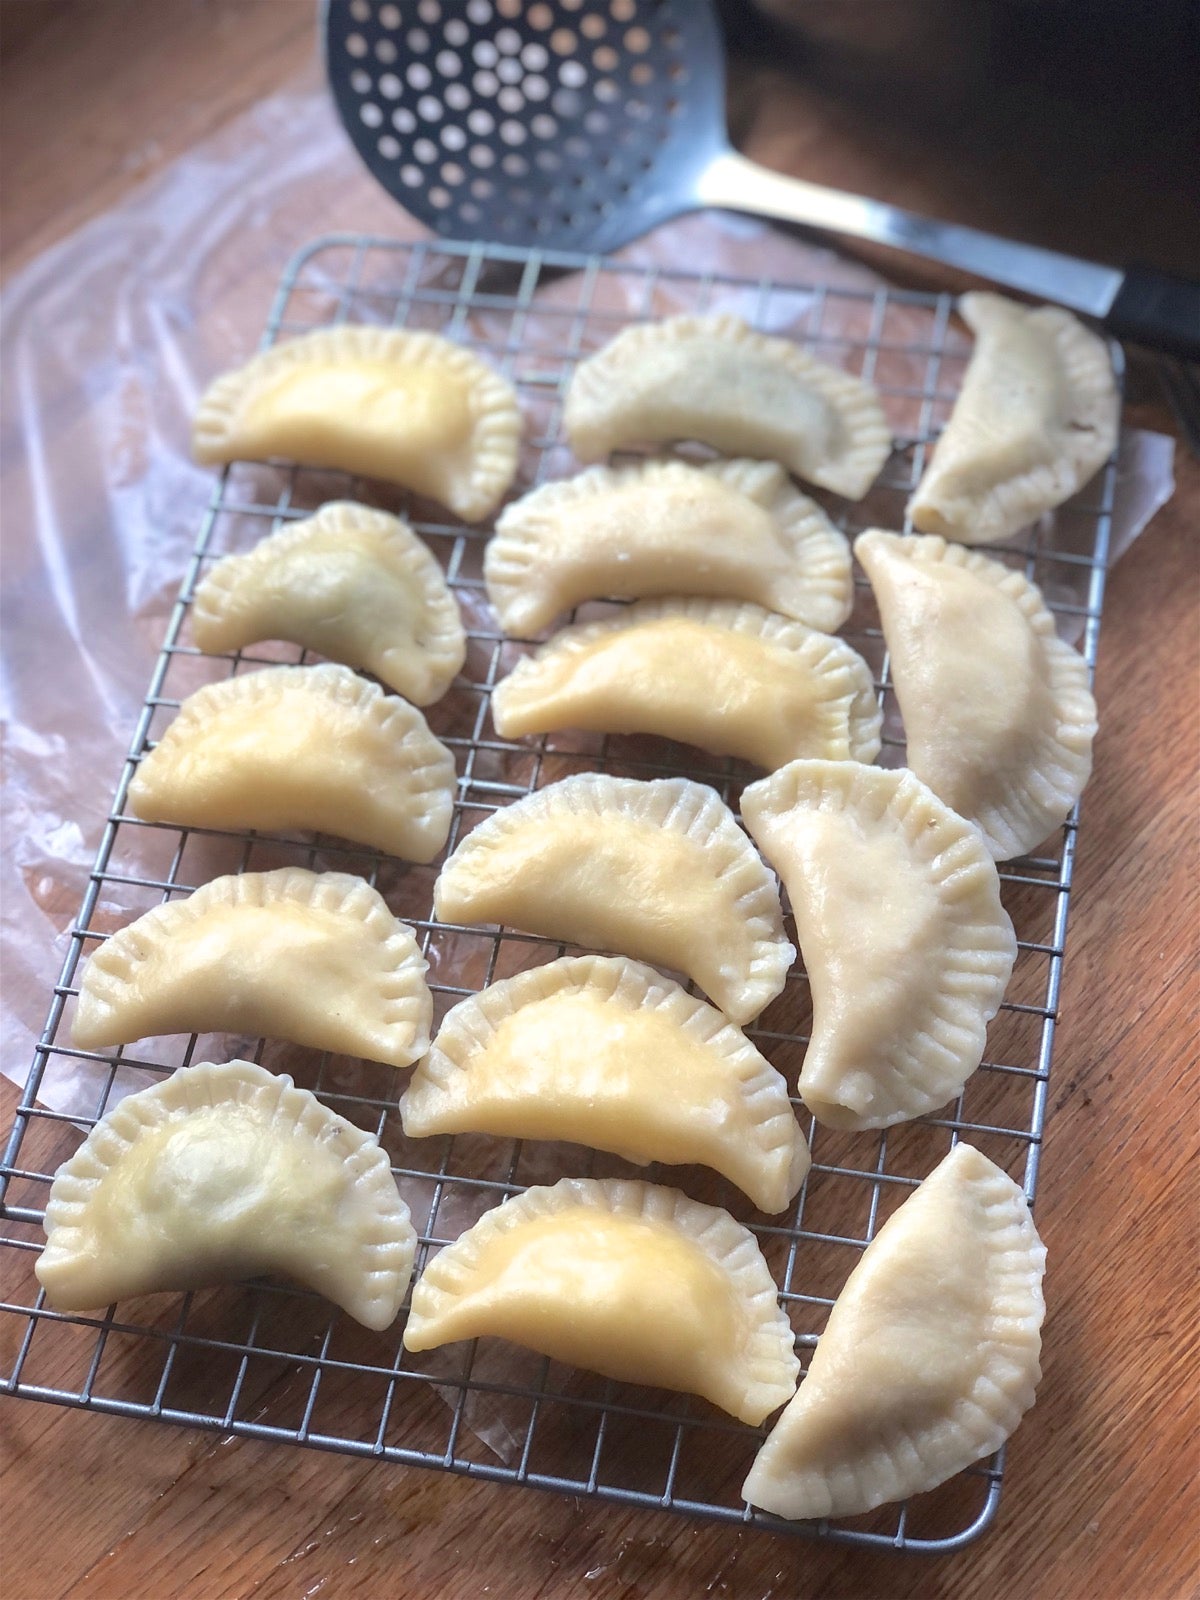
x,y
579,124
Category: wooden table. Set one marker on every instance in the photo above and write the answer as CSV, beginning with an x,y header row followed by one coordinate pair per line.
x,y
1098,1503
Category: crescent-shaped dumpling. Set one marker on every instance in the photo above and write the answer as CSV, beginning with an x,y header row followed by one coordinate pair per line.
x,y
316,958
715,379
734,679
930,1357
226,1172
1037,415
736,530
302,747
605,1052
659,871
411,408
997,710
627,1279
907,947
357,585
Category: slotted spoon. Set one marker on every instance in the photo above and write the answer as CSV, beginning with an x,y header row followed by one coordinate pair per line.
x,y
579,124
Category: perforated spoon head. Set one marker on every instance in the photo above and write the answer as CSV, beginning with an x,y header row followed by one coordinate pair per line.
x,y
565,124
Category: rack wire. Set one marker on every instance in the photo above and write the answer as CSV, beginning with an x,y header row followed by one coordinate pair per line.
x,y
269,1361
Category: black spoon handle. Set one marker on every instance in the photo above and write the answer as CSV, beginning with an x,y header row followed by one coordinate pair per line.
x,y
1158,310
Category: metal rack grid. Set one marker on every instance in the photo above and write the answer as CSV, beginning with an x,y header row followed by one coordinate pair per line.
x,y
272,1362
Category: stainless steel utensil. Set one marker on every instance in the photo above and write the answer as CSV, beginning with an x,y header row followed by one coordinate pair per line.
x,y
579,124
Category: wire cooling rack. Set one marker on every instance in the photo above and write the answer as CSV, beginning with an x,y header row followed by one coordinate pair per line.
x,y
268,1361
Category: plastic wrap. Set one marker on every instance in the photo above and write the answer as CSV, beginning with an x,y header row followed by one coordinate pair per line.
x,y
108,338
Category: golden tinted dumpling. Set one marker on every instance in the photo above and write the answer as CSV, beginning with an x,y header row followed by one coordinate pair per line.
x,y
411,408
302,747
313,957
733,679
627,1279
605,1052
659,871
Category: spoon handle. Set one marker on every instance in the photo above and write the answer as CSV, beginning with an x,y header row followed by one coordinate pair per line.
x,y
1149,308
1158,310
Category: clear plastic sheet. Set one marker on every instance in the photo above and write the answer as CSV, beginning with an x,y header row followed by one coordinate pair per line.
x,y
107,340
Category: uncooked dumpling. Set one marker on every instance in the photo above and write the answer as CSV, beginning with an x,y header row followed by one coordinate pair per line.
x,y
1037,415
714,379
302,747
226,1172
734,679
604,1052
411,408
997,711
930,1357
659,871
907,947
627,1279
736,530
313,957
357,585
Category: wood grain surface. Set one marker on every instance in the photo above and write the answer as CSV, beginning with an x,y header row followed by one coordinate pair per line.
x,y
1101,1494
